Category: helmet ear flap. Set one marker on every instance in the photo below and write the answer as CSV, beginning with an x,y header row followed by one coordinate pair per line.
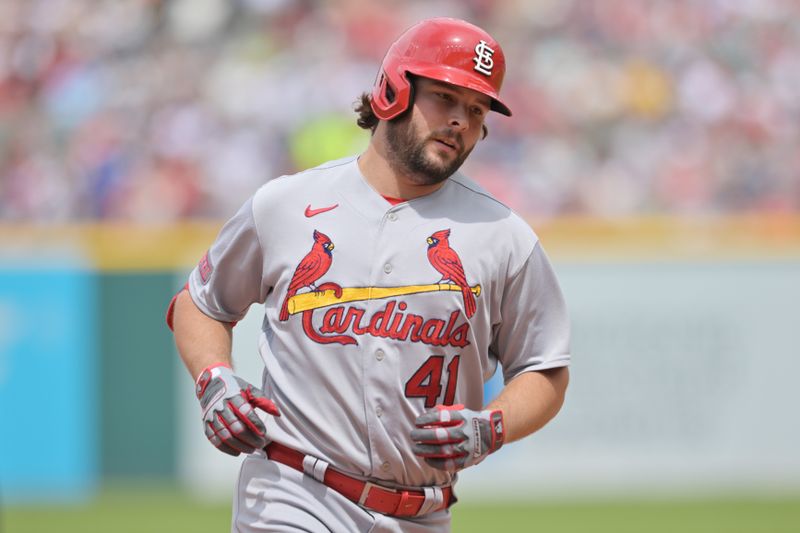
x,y
385,89
390,95
410,93
389,92
378,98
383,95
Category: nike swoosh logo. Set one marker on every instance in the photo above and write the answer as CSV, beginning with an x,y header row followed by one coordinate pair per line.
x,y
313,212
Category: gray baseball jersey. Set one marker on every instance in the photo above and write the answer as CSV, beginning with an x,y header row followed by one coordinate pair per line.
x,y
375,313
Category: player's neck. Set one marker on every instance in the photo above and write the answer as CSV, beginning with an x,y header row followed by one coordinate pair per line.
x,y
385,179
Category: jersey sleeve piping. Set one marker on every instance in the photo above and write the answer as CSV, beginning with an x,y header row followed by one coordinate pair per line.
x,y
481,193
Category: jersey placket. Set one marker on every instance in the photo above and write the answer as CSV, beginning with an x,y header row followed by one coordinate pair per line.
x,y
380,355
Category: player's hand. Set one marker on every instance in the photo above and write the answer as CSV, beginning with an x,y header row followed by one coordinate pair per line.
x,y
229,406
452,438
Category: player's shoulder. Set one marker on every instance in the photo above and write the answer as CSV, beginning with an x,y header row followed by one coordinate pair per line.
x,y
472,193
477,200
510,235
316,175
288,186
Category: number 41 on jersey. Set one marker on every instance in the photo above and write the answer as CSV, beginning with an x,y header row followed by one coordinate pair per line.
x,y
427,381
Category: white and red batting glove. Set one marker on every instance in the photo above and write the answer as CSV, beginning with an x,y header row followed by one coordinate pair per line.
x,y
452,438
229,406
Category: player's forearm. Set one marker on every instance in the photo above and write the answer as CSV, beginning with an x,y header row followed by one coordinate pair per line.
x,y
201,340
531,400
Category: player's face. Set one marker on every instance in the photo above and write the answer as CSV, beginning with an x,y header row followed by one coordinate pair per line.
x,y
434,140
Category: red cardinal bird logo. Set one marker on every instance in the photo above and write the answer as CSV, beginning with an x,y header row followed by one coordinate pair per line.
x,y
313,266
446,261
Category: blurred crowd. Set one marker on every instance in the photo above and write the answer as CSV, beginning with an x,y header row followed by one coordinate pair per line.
x,y
162,110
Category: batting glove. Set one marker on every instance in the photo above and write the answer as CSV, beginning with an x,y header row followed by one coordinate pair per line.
x,y
452,438
229,406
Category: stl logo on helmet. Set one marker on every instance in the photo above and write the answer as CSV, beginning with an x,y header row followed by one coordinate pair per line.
x,y
483,58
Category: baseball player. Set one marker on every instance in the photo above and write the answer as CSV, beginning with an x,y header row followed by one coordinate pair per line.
x,y
392,288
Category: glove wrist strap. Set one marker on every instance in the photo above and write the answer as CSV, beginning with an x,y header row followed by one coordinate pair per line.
x,y
205,377
498,429
209,368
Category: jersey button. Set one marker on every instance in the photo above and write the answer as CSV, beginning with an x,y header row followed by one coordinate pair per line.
x,y
387,268
386,466
379,354
378,412
392,216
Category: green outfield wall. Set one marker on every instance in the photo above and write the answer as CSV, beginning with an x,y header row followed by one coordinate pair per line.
x,y
137,373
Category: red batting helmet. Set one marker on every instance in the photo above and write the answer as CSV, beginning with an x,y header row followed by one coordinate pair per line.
x,y
444,49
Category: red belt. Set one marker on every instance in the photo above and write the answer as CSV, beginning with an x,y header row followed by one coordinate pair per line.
x,y
381,499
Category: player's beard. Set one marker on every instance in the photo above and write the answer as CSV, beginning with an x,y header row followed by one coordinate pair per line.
x,y
407,152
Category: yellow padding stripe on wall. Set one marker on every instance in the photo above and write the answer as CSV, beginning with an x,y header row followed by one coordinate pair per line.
x,y
117,246
662,238
113,246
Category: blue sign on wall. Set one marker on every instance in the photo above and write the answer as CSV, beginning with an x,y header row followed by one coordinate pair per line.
x,y
49,434
493,387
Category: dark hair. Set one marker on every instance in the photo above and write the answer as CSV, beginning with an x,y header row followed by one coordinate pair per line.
x,y
366,116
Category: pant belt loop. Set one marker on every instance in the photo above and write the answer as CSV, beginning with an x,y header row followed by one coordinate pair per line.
x,y
434,498
315,468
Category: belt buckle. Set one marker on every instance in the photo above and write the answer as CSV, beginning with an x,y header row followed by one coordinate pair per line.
x,y
368,487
